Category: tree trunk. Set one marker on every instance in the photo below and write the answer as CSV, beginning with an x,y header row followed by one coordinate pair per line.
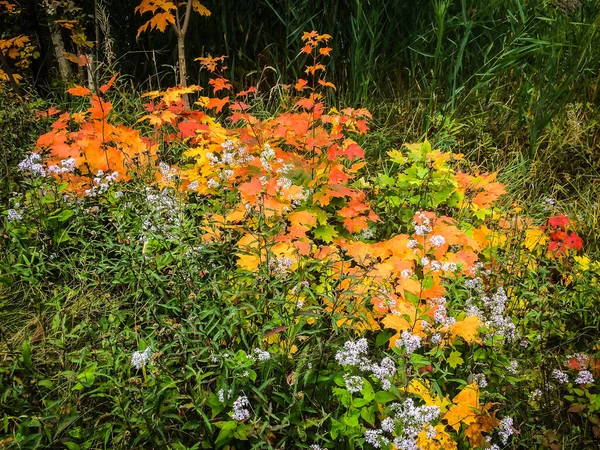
x,y
181,53
59,51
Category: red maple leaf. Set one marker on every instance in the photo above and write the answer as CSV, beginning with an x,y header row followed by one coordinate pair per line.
x,y
574,241
559,221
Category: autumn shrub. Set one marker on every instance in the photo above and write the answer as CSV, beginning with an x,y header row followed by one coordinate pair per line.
x,y
219,277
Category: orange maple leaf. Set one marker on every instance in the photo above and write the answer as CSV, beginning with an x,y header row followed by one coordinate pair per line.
x,y
217,103
219,83
79,91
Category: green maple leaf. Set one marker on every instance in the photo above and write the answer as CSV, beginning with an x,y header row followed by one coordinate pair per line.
x,y
455,359
325,233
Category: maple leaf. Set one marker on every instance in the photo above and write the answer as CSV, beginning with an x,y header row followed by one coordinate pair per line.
x,y
109,84
306,103
251,188
189,128
354,151
560,221
159,21
305,218
250,90
79,91
248,262
574,241
485,422
301,84
325,232
467,329
219,84
464,407
210,62
239,106
455,359
200,8
327,84
217,103
80,60
423,390
441,441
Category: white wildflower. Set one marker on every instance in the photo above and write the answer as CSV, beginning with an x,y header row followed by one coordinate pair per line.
x,y
140,359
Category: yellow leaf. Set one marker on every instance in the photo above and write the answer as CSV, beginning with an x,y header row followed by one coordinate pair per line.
x,y
464,408
467,329
200,8
422,389
248,262
441,441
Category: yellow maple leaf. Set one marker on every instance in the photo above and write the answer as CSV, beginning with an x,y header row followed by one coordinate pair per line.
x,y
248,262
423,390
304,219
464,408
441,441
467,329
200,8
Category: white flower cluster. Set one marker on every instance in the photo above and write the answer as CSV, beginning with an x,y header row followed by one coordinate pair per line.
x,y
440,315
438,266
298,198
513,367
409,341
65,166
492,315
480,379
224,395
353,383
266,156
165,214
560,376
280,266
437,240
365,234
193,185
506,429
548,203
584,377
13,216
355,354
475,284
408,418
261,355
376,438
101,183
140,359
536,394
384,371
423,228
240,408
233,155
581,358
168,173
33,164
